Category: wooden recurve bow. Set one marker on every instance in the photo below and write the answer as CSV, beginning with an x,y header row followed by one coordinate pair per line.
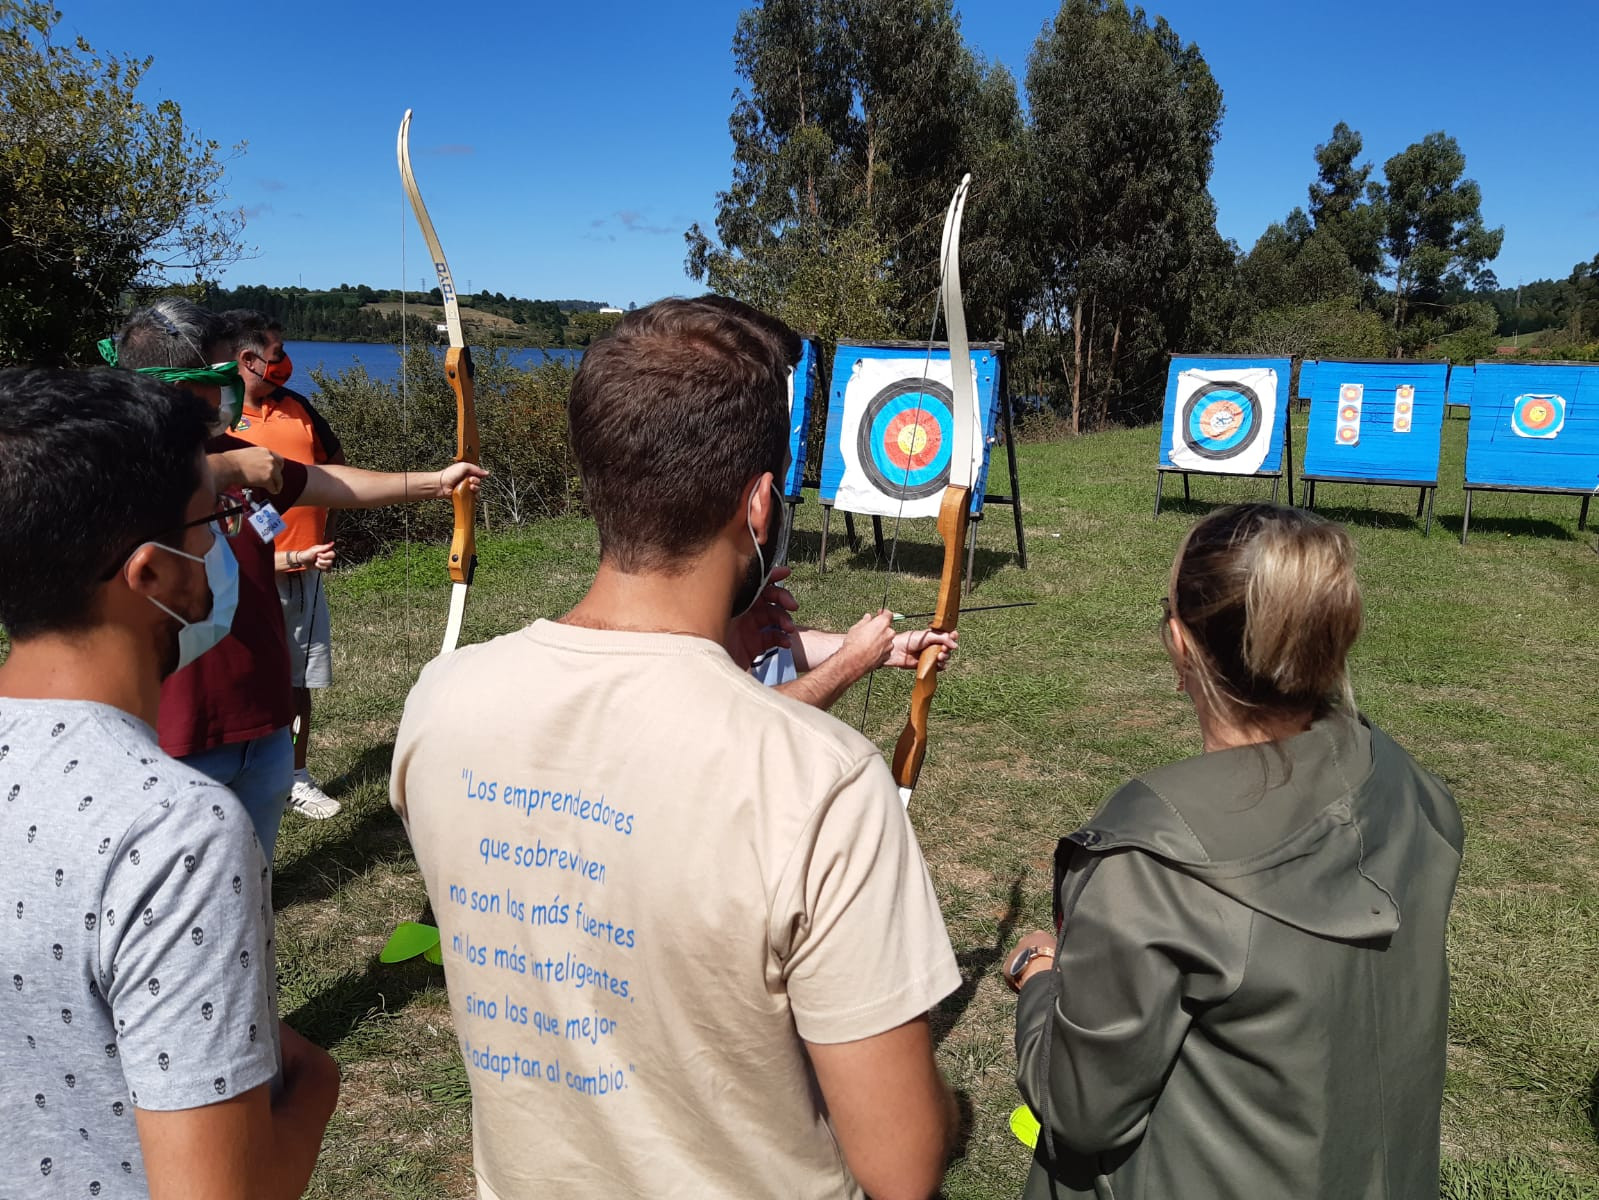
x,y
954,510
458,370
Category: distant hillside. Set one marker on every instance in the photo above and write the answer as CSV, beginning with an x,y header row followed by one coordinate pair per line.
x,y
365,314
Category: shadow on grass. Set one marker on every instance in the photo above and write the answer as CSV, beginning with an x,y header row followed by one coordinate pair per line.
x,y
1517,526
974,964
1593,1106
372,837
1376,518
345,1007
915,554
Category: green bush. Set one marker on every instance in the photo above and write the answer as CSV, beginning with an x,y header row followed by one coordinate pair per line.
x,y
410,426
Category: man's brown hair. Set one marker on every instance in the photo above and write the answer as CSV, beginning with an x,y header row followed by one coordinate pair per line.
x,y
670,416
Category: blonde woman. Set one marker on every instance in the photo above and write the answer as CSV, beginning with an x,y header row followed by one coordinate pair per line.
x,y
1247,993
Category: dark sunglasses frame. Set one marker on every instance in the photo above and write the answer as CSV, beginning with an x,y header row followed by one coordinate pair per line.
x,y
228,519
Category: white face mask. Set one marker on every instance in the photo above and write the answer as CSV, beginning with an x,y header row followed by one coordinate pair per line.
x,y
222,575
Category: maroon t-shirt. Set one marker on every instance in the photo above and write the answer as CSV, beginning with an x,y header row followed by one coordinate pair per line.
x,y
239,689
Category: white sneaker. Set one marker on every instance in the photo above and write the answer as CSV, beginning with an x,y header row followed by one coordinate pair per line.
x,y
311,801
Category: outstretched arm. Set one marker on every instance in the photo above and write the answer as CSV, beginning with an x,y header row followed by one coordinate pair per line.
x,y
350,487
834,662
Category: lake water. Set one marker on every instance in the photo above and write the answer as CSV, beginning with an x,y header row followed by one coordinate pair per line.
x,y
382,359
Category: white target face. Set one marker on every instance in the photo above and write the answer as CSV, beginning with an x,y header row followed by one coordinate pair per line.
x,y
1224,420
897,435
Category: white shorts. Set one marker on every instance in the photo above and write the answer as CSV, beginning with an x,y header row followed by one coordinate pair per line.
x,y
305,619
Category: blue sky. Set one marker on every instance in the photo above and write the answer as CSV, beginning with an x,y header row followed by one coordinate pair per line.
x,y
564,148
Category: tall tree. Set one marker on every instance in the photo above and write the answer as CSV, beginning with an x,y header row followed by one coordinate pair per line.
x,y
1433,233
1342,200
856,119
1124,118
99,193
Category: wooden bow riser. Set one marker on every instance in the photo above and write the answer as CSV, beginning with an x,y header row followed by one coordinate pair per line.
x,y
954,514
463,542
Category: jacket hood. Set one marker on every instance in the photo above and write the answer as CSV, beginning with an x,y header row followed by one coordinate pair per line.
x,y
1281,828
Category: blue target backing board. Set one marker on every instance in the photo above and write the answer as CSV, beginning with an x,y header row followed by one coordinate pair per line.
x,y
1225,414
890,424
1533,425
1374,422
802,386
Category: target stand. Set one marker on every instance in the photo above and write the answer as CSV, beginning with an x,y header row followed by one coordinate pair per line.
x,y
1374,422
1534,428
889,439
1221,417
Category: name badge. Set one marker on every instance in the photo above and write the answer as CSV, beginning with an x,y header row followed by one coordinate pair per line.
x,y
266,522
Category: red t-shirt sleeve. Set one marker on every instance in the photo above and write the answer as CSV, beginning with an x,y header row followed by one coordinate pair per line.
x,y
294,474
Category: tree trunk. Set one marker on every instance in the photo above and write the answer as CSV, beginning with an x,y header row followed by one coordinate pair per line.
x,y
810,176
1115,349
1077,365
1088,358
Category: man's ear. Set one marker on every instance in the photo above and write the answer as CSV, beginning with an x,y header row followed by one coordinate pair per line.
x,y
760,500
152,571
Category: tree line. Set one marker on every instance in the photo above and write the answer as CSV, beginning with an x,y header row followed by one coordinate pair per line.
x,y
1091,245
366,314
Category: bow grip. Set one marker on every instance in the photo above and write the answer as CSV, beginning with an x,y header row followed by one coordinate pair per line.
x,y
463,542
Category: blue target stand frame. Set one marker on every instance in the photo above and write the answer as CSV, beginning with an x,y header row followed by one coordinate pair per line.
x,y
928,479
1534,428
1232,429
804,385
1374,421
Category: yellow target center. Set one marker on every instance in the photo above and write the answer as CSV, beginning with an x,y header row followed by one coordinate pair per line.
x,y
912,440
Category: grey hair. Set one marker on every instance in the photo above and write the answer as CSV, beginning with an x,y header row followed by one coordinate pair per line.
x,y
172,332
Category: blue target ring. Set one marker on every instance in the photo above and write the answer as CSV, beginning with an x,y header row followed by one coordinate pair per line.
x,y
1220,420
906,433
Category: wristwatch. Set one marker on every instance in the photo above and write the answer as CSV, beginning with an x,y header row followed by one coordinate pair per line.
x,y
1020,962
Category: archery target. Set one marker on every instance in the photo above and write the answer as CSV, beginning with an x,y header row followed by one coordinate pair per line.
x,y
905,438
897,436
1537,414
1404,407
1225,420
1351,397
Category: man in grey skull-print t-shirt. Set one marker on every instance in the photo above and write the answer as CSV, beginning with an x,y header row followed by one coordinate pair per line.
x,y
136,965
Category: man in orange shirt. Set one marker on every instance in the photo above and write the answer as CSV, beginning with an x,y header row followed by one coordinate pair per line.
x,y
285,422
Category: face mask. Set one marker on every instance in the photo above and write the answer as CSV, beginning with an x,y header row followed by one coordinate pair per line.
x,y
761,567
222,575
278,373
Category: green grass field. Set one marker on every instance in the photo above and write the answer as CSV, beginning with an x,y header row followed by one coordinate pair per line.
x,y
1482,660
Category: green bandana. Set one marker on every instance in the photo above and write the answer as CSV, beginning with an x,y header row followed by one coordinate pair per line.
x,y
225,375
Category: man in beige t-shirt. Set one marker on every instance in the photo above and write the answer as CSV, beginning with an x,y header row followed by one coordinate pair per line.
x,y
689,937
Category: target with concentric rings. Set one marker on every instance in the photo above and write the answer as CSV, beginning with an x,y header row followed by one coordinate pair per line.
x,y
1220,420
1537,414
906,433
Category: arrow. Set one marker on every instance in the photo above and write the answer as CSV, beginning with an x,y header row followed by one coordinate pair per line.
x,y
974,608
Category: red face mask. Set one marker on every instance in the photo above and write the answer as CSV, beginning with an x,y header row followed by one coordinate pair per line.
x,y
278,373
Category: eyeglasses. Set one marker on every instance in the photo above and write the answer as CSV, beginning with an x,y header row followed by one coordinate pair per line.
x,y
226,521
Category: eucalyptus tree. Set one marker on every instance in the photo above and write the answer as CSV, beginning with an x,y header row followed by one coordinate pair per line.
x,y
1124,119
1433,235
855,120
1345,201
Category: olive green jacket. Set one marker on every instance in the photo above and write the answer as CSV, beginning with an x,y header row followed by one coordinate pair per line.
x,y
1251,988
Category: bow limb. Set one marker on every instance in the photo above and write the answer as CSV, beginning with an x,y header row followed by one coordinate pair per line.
x,y
459,372
954,513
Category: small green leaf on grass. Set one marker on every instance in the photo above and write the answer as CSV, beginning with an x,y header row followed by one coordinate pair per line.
x,y
410,939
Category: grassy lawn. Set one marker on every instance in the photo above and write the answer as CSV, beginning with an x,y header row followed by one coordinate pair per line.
x,y
1482,660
